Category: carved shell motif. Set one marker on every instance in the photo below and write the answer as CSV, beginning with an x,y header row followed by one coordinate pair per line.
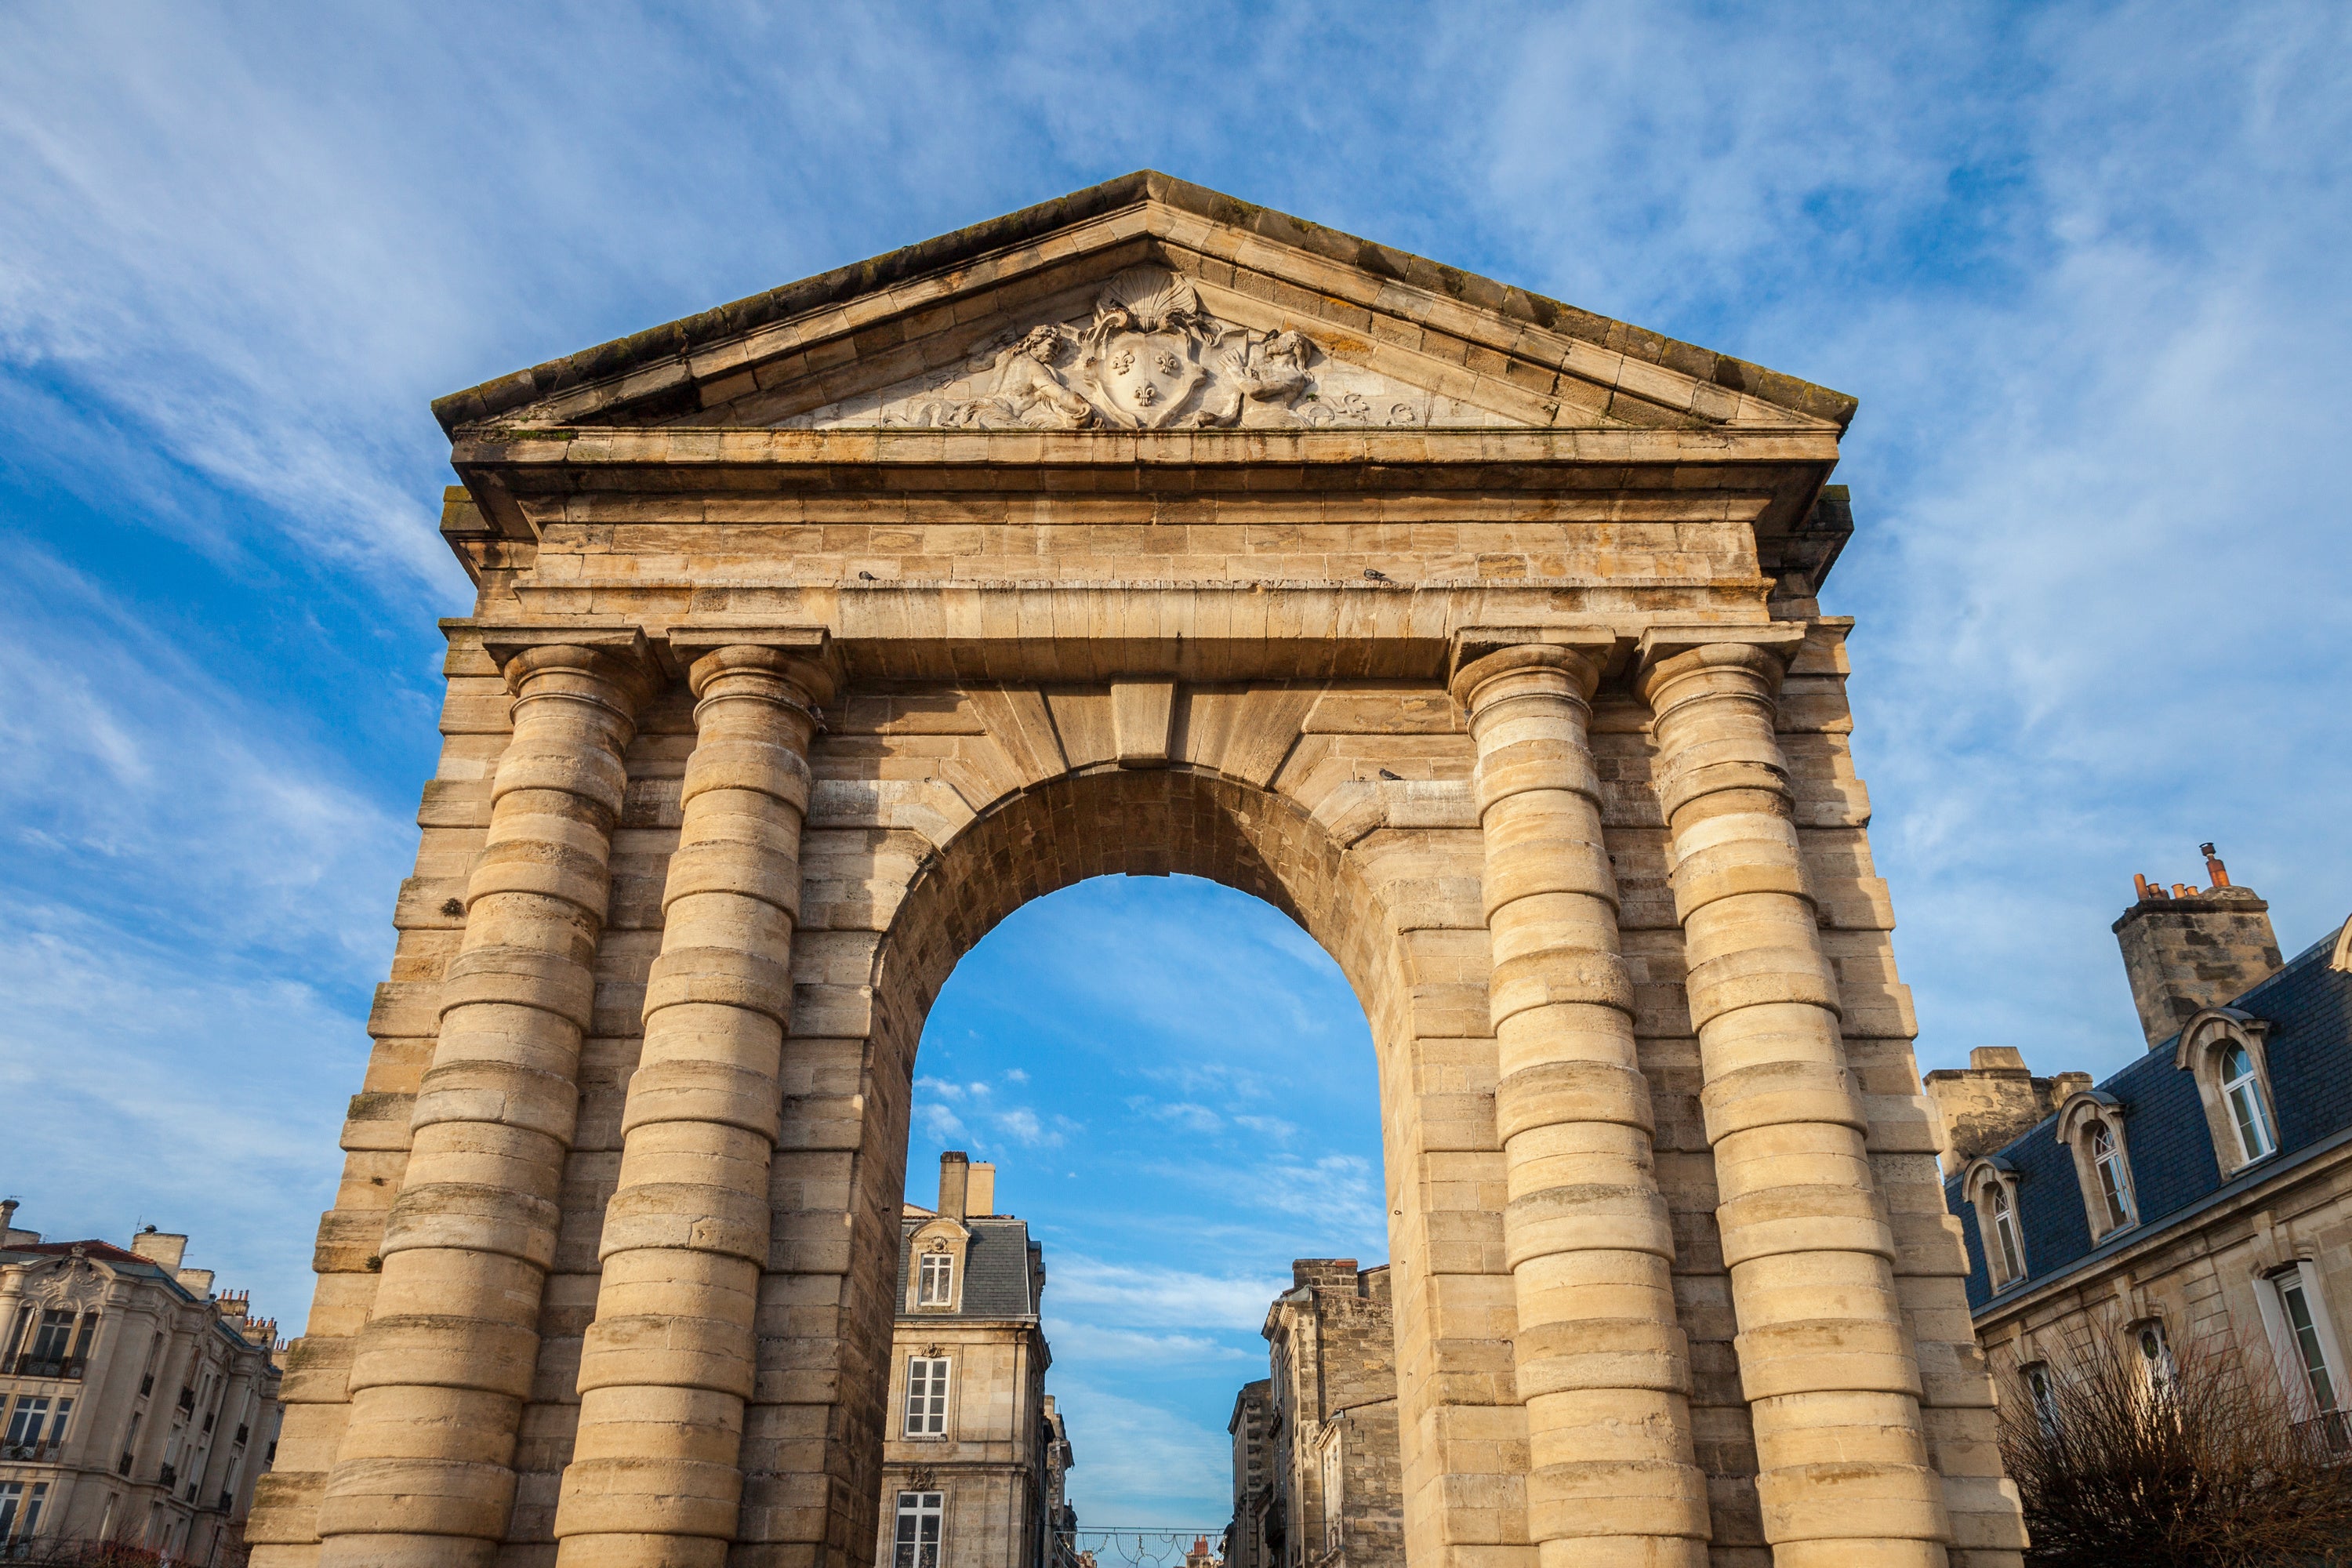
x,y
1149,299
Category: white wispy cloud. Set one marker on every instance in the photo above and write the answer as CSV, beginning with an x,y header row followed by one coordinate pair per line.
x,y
2084,264
1138,1463
1077,1343
1143,1296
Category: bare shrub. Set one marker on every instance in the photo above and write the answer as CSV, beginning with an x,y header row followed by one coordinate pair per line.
x,y
2207,1467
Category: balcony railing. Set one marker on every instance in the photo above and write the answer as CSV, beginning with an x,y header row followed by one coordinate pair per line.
x,y
32,1452
169,1474
31,1365
2328,1435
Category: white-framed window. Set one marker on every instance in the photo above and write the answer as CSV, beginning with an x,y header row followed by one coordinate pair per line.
x,y
1991,1187
927,1396
2304,1339
2226,1051
921,1518
2091,1126
25,1424
936,1280
2241,1090
2004,1229
2115,1178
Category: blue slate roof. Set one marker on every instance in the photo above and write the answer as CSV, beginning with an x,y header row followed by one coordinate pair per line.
x,y
1000,1266
2174,1170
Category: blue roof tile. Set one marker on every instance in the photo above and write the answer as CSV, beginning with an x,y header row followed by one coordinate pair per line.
x,y
2308,1007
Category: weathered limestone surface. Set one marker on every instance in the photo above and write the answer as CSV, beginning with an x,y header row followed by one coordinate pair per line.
x,y
1476,634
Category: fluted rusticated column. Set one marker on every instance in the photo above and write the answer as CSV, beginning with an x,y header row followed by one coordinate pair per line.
x,y
655,1480
1830,1377
425,1477
1603,1367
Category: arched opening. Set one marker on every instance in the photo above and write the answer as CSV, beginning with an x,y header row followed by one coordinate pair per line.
x,y
1230,875
1175,1090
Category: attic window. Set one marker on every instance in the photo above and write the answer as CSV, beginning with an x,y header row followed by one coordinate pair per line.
x,y
936,1283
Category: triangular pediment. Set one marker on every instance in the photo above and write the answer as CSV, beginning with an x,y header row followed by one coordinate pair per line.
x,y
1148,304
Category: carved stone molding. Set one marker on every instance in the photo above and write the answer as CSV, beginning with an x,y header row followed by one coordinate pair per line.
x,y
76,1285
1152,356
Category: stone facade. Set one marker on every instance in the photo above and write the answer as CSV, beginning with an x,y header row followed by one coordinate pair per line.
x,y
2202,1197
1316,1477
1252,1474
136,1403
817,632
975,1457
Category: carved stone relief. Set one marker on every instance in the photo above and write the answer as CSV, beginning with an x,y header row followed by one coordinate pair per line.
x,y
1151,357
77,1286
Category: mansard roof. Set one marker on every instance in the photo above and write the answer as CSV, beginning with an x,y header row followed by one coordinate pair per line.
x,y
922,335
2307,1006
997,1268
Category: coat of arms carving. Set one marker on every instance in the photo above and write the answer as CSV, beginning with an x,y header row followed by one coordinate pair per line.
x,y
1152,356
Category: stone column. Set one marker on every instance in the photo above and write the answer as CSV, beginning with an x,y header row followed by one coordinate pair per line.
x,y
424,1478
1828,1369
655,1480
1603,1367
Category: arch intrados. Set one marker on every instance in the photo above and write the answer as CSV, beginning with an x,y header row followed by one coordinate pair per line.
x,y
1176,820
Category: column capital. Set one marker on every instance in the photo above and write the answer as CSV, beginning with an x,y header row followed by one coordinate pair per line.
x,y
616,651
1664,653
806,656
1480,653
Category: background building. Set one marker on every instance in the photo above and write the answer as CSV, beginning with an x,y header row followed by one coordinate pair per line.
x,y
2203,1194
1316,1474
974,1456
139,1405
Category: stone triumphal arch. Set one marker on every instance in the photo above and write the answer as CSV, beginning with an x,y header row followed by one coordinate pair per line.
x,y
1142,532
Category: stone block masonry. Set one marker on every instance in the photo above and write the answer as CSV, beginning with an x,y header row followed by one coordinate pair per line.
x,y
1143,533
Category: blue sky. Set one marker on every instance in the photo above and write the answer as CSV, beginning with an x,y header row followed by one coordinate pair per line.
x,y
2083,265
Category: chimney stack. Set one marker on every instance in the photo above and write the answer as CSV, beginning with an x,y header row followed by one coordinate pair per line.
x,y
1993,1100
161,1248
955,1179
979,1191
2191,950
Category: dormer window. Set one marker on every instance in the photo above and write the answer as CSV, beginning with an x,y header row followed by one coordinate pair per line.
x,y
937,1254
2241,1088
2091,1125
2115,1181
2004,1226
2224,1051
1992,1188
